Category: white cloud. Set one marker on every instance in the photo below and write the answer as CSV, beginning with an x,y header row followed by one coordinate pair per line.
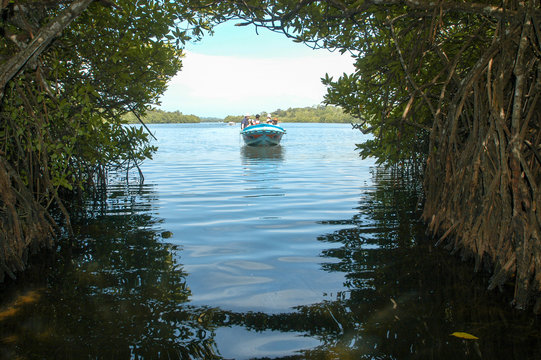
x,y
228,85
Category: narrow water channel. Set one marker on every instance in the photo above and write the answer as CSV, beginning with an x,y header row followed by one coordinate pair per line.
x,y
302,251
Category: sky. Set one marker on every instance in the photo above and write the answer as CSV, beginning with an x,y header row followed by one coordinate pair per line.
x,y
238,71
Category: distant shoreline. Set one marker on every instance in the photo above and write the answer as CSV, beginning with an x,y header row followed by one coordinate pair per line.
x,y
314,114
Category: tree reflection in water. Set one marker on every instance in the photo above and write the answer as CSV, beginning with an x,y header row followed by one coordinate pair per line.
x,y
118,294
404,297
122,294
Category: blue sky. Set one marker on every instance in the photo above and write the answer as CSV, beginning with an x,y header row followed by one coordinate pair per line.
x,y
238,71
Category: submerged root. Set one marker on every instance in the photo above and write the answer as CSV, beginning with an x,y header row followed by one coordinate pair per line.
x,y
25,226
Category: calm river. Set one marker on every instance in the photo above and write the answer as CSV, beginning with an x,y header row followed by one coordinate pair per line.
x,y
302,251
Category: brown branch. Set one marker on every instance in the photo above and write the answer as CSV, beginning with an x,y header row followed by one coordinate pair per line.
x,y
459,99
39,43
406,71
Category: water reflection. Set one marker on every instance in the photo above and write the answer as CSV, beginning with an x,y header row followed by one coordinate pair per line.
x,y
120,292
117,293
249,153
402,297
261,177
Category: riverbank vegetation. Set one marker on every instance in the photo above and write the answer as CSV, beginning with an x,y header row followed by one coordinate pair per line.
x,y
161,117
69,72
312,114
315,114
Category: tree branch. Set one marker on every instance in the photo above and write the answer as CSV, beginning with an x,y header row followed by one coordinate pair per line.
x,y
39,43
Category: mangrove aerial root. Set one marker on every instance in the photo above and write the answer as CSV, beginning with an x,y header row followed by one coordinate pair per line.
x,y
25,227
483,174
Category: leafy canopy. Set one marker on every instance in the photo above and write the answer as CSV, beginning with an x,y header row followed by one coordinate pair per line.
x,y
64,112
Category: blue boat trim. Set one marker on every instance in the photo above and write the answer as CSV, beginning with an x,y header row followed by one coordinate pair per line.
x,y
262,135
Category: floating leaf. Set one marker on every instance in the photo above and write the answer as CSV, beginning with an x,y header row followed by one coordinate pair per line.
x,y
464,335
200,318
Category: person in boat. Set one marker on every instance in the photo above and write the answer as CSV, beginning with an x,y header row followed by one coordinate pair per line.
x,y
257,120
275,121
269,119
245,122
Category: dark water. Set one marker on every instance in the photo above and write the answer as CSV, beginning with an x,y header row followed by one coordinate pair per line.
x,y
303,251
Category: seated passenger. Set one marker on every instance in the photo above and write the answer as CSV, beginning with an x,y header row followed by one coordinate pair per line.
x,y
245,122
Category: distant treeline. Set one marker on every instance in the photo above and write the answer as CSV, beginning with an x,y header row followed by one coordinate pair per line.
x,y
162,117
315,114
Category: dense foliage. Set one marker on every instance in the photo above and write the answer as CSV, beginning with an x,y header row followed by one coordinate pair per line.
x,y
315,114
161,117
319,114
69,71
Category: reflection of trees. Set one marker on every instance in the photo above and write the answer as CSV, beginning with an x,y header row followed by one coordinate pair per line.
x,y
403,298
120,294
123,295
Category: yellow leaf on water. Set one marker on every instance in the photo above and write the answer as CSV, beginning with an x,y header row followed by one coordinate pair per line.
x,y
200,318
464,335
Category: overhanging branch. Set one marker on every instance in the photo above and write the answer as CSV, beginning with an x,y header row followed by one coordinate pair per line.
x,y
39,43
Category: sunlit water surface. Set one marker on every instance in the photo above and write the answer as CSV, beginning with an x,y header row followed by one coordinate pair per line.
x,y
301,251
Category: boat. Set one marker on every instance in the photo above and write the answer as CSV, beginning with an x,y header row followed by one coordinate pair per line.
x,y
262,135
